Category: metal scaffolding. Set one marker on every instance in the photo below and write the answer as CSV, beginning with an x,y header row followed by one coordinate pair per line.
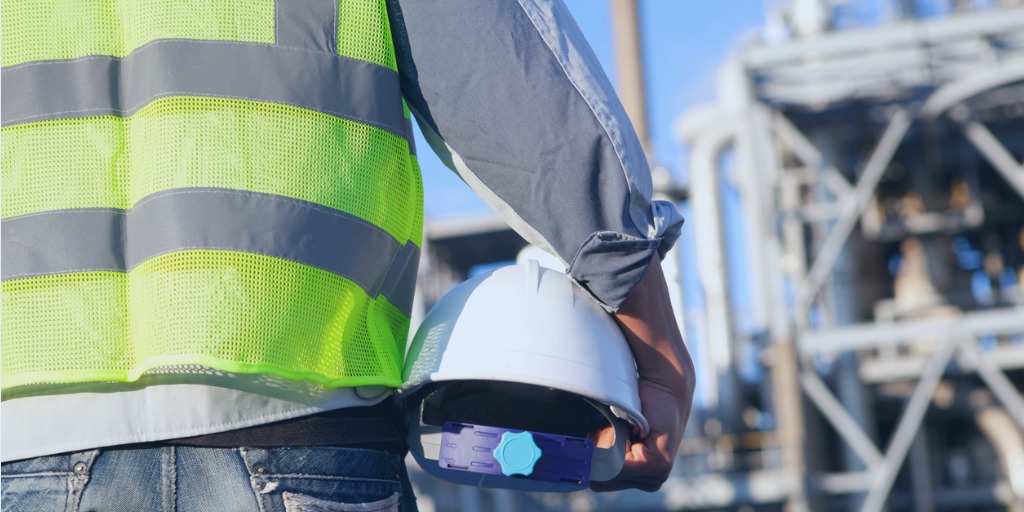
x,y
907,130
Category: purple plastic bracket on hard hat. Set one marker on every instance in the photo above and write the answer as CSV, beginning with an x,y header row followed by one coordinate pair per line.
x,y
563,459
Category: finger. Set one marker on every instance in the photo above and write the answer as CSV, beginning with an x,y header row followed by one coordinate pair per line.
x,y
646,467
603,437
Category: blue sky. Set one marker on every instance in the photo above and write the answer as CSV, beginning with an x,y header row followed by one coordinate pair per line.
x,y
684,41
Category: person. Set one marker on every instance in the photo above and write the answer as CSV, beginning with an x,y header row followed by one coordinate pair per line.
x,y
212,217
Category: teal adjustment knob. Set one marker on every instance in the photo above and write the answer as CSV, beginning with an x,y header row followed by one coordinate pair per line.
x,y
517,453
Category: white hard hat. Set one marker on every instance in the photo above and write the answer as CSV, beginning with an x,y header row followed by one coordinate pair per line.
x,y
521,345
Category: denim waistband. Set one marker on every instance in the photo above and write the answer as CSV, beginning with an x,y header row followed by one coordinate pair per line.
x,y
174,478
58,465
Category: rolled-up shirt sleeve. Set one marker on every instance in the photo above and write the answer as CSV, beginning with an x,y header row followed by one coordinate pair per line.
x,y
511,97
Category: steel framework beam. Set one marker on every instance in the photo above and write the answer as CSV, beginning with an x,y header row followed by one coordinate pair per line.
x,y
872,336
886,368
838,416
979,81
906,429
887,37
810,156
852,207
996,154
884,468
996,380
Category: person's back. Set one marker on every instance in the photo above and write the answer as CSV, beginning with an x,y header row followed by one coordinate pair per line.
x,y
193,194
212,219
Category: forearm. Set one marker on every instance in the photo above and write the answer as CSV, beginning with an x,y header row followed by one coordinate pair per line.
x,y
648,321
665,381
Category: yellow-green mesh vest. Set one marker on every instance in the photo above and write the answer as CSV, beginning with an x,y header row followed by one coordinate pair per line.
x,y
193,186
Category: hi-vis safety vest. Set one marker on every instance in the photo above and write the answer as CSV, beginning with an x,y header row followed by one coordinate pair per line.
x,y
193,186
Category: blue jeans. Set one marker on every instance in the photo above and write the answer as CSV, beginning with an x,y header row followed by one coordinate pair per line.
x,y
184,478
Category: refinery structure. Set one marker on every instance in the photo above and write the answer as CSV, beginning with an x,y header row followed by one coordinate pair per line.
x,y
878,167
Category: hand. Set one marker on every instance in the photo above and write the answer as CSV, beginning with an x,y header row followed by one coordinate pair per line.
x,y
649,462
666,384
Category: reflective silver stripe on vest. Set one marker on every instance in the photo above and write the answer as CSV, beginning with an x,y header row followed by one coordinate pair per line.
x,y
411,137
40,243
79,240
400,283
103,85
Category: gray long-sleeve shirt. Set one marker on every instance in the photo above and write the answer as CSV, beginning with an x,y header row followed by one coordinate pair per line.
x,y
512,98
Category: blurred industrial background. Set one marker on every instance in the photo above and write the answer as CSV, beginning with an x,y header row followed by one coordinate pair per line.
x,y
851,283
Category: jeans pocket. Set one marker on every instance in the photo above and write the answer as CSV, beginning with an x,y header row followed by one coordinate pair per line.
x,y
294,502
45,483
35,492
